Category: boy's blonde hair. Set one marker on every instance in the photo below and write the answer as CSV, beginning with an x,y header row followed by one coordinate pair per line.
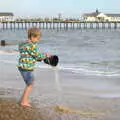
x,y
33,32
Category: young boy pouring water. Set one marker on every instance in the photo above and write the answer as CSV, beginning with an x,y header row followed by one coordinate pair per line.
x,y
29,55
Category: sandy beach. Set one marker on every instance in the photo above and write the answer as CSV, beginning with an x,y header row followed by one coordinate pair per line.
x,y
68,91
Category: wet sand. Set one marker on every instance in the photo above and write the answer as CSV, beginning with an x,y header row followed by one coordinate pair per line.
x,y
11,110
72,102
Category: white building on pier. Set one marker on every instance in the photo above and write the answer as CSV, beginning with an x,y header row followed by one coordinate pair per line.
x,y
6,16
99,16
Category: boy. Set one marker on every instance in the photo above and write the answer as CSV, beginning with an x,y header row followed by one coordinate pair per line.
x,y
29,54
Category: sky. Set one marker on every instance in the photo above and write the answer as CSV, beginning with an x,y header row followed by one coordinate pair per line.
x,y
68,8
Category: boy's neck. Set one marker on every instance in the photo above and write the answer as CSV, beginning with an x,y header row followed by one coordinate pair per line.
x,y
30,41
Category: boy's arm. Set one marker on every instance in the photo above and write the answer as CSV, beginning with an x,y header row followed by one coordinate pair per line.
x,y
34,52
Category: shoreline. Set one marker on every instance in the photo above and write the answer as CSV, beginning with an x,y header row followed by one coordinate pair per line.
x,y
9,106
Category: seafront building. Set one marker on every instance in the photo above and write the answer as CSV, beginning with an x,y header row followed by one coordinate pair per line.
x,y
6,16
100,16
86,17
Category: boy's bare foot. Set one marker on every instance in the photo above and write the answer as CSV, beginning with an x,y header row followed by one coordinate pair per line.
x,y
26,104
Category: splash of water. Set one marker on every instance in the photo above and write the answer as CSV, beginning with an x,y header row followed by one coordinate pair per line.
x,y
57,82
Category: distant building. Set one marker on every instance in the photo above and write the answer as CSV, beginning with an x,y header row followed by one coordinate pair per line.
x,y
99,16
112,17
6,16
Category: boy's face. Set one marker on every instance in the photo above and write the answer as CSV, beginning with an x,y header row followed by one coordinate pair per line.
x,y
35,39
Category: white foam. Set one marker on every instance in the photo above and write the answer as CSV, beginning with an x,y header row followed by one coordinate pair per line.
x,y
7,61
109,96
8,52
74,69
88,71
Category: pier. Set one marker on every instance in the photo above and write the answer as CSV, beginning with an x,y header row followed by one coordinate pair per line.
x,y
59,25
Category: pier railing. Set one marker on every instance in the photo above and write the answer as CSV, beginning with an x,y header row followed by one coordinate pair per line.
x,y
59,25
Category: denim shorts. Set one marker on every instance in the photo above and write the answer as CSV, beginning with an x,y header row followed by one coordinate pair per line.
x,y
27,75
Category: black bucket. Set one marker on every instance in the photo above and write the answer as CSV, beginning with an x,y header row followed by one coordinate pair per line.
x,y
53,60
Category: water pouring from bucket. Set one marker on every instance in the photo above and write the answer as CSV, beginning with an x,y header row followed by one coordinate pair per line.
x,y
53,61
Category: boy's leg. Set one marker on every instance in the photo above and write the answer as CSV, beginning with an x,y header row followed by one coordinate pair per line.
x,y
29,80
24,100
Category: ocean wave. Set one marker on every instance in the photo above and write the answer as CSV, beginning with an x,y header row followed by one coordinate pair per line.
x,y
8,52
8,61
73,69
88,71
81,70
109,96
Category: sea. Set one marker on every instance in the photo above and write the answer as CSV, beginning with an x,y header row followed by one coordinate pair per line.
x,y
91,55
92,52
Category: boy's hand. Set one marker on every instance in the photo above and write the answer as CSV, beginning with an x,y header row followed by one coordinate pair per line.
x,y
47,54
